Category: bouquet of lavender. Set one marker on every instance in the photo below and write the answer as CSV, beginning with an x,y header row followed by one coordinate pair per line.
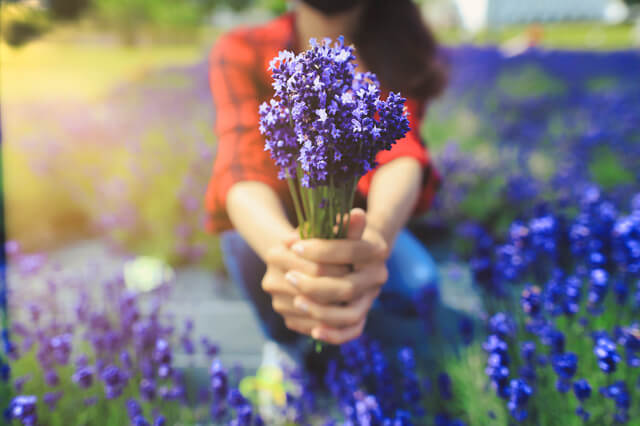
x,y
324,127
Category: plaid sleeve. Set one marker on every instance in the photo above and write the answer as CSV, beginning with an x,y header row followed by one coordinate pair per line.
x,y
410,146
240,155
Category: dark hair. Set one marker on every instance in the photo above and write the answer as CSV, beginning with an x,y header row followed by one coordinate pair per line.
x,y
397,45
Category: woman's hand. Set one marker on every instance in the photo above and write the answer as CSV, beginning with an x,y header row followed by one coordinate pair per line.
x,y
281,259
339,304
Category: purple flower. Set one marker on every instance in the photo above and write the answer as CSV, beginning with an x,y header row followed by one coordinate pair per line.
x,y
582,389
219,380
61,347
598,289
162,352
619,394
140,421
51,378
531,300
19,382
23,408
565,366
133,408
325,119
147,389
519,394
114,380
528,351
444,385
502,325
125,360
605,351
553,338
465,326
82,361
210,349
51,399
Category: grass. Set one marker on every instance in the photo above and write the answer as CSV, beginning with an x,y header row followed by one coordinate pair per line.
x,y
63,74
566,35
55,68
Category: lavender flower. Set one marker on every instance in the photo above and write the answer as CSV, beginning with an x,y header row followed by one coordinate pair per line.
x,y
323,116
565,366
114,381
605,351
147,389
519,394
23,408
531,300
502,325
51,399
324,127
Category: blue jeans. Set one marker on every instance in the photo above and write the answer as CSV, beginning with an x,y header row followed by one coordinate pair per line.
x,y
410,266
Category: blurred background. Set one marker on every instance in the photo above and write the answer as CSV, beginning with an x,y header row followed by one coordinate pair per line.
x,y
107,118
108,146
107,115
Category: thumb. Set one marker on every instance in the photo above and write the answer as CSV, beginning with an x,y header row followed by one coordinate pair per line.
x,y
357,224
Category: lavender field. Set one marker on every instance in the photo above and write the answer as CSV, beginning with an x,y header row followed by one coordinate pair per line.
x,y
539,154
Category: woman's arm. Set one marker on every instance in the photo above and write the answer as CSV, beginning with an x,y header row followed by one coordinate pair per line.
x,y
393,194
258,215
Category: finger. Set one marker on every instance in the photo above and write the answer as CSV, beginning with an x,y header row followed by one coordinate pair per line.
x,y
341,252
274,283
339,289
357,224
288,260
302,325
338,316
283,304
337,336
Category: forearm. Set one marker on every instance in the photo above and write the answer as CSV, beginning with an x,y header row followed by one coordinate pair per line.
x,y
258,215
394,191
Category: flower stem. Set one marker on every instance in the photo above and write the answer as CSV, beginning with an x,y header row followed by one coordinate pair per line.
x,y
296,204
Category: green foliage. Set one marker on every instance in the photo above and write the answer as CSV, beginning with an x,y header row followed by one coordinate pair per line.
x,y
105,412
561,35
67,9
607,171
20,24
276,7
547,406
131,17
529,81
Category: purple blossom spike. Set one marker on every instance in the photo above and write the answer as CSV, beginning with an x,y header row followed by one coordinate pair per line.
x,y
327,119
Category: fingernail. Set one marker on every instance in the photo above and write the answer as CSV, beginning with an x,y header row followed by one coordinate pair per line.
x,y
316,333
301,304
298,248
292,278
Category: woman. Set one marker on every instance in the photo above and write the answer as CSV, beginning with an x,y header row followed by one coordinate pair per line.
x,y
322,288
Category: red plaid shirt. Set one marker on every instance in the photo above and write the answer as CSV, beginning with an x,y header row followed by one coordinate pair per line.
x,y
240,82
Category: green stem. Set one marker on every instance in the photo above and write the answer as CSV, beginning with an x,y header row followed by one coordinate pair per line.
x,y
296,204
350,205
316,225
331,194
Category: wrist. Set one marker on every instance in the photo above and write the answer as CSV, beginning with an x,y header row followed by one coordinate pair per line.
x,y
382,227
